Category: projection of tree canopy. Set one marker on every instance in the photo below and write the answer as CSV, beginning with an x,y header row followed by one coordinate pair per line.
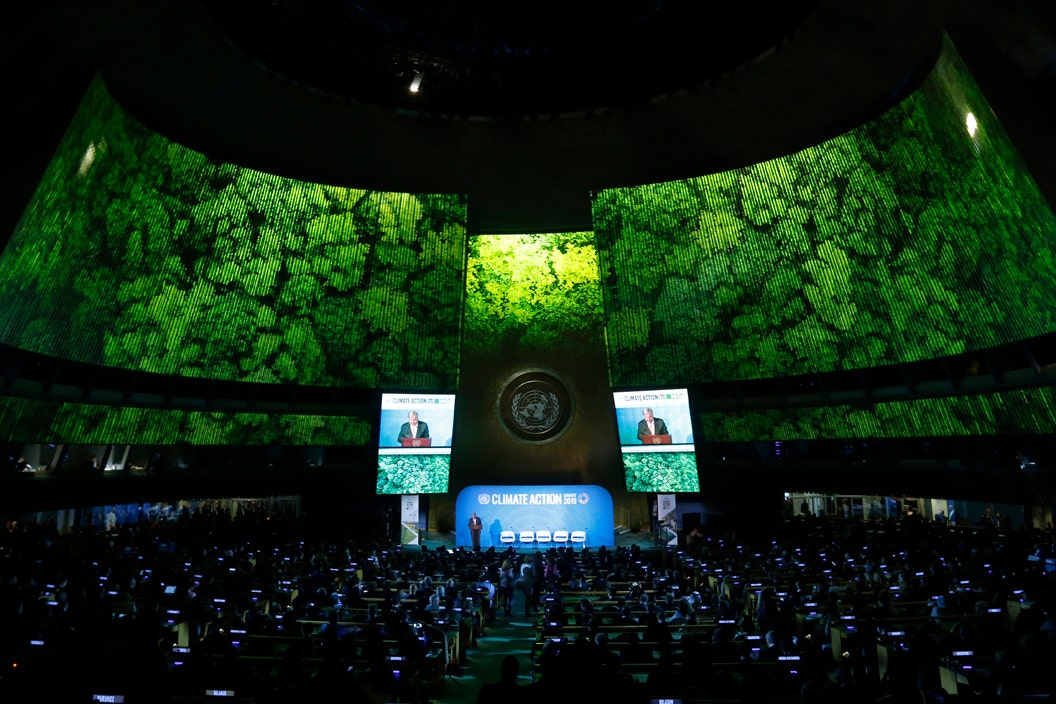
x,y
30,420
661,471
413,474
1017,412
532,290
917,235
140,253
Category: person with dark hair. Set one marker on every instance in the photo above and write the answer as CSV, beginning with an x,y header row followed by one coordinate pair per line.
x,y
536,584
506,690
507,578
526,583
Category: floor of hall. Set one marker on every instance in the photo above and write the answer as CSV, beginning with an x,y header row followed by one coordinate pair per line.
x,y
505,635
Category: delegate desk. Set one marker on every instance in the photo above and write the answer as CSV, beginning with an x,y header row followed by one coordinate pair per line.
x,y
843,633
963,669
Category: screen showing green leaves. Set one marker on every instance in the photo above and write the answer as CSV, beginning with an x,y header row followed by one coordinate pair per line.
x,y
414,443
917,235
532,291
656,440
137,252
1015,412
33,420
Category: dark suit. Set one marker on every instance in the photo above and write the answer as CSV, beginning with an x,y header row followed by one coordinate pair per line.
x,y
476,525
660,428
405,432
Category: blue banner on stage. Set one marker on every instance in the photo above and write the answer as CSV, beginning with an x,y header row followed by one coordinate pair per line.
x,y
534,517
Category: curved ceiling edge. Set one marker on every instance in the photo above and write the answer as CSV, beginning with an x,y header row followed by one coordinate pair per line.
x,y
852,61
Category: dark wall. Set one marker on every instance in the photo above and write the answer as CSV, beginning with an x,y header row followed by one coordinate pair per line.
x,y
487,452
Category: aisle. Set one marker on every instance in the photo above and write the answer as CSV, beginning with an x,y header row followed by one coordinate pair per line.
x,y
512,635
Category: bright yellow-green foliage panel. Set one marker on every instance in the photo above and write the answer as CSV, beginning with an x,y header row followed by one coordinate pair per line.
x,y
1019,412
533,291
661,471
30,420
915,236
413,474
140,253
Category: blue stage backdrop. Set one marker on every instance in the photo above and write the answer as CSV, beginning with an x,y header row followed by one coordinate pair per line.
x,y
555,516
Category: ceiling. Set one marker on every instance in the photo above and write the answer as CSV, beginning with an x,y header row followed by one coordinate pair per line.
x,y
527,108
477,57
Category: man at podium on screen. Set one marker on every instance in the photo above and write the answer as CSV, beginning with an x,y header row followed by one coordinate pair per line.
x,y
650,425
413,428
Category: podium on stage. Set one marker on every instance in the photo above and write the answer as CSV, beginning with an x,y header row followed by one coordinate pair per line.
x,y
664,439
416,442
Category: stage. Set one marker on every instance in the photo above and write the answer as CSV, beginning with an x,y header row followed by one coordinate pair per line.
x,y
622,539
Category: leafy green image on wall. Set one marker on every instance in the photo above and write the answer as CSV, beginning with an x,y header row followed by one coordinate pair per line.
x,y
31,420
917,235
532,291
1017,412
413,474
661,471
137,252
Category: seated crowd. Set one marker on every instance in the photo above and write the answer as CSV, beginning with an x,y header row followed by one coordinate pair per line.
x,y
272,608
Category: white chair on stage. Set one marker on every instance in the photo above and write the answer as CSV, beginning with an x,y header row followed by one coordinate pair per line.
x,y
527,537
560,536
543,536
507,537
578,537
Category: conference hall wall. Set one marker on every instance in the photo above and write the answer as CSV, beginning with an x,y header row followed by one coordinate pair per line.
x,y
533,331
139,253
915,236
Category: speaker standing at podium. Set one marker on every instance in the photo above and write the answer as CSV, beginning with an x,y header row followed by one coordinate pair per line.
x,y
649,425
413,428
475,527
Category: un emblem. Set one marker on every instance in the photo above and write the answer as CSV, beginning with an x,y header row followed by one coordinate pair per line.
x,y
535,410
535,406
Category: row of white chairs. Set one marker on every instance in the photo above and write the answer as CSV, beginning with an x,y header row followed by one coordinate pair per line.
x,y
536,537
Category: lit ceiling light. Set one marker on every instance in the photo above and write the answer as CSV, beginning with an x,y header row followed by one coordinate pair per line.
x,y
417,82
87,160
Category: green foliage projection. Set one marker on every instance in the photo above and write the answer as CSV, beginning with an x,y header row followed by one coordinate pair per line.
x,y
1019,412
661,471
531,291
413,474
905,239
140,253
30,420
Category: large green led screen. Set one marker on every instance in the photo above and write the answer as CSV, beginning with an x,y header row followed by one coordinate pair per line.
x,y
139,253
32,420
1015,412
538,291
917,235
